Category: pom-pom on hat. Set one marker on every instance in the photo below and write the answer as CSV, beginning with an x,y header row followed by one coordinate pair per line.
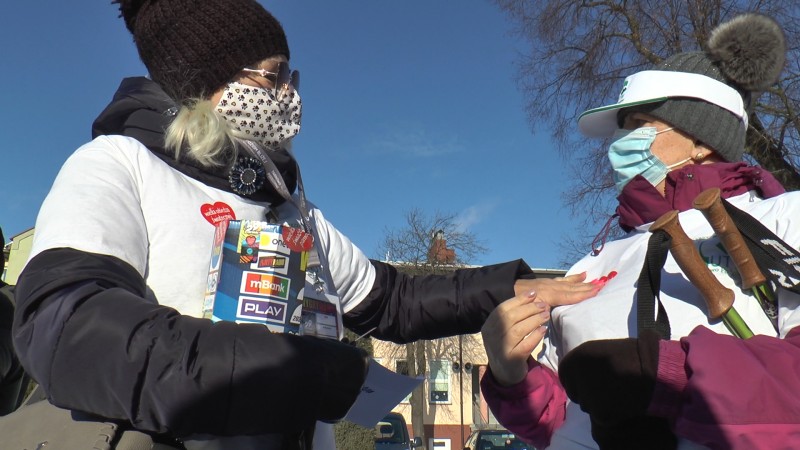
x,y
704,94
193,47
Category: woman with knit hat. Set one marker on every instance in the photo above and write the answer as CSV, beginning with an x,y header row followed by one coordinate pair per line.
x,y
613,375
109,305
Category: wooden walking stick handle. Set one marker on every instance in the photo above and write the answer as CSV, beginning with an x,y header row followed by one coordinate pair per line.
x,y
719,299
710,204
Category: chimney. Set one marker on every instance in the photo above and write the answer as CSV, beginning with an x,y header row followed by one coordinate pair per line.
x,y
439,253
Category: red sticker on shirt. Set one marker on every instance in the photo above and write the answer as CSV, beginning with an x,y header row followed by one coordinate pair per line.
x,y
297,240
218,212
604,279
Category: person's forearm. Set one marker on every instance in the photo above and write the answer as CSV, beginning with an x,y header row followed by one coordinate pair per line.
x,y
725,392
403,308
97,345
532,409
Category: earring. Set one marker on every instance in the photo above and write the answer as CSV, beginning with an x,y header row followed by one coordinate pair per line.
x,y
699,156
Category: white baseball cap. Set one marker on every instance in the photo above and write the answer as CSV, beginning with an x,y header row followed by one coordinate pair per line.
x,y
652,86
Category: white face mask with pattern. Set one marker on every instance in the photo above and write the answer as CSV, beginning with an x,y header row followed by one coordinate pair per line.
x,y
255,112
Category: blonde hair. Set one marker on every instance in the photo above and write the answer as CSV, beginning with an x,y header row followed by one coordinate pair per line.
x,y
203,132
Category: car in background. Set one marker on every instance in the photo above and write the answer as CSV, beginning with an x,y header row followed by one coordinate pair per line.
x,y
497,439
391,433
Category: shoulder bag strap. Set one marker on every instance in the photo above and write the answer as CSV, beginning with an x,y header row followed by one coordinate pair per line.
x,y
649,287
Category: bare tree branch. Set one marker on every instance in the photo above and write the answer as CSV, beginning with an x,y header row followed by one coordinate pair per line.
x,y
411,243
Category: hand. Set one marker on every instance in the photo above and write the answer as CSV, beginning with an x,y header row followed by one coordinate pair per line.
x,y
559,291
511,332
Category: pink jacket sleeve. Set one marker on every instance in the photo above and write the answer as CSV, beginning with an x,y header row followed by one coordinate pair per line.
x,y
532,409
728,393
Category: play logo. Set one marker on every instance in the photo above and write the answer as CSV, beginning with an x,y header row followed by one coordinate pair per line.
x,y
265,284
261,309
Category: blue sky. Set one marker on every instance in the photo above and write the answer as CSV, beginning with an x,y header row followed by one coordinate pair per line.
x,y
406,104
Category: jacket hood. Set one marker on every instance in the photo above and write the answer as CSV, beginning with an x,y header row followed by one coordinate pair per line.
x,y
142,110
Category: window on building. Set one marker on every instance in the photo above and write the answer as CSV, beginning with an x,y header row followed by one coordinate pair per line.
x,y
401,366
439,381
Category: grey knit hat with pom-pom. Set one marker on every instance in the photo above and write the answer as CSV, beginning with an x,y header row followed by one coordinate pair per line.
x,y
747,54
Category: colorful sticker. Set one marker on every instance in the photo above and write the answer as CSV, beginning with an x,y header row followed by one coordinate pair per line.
x,y
271,262
261,309
265,284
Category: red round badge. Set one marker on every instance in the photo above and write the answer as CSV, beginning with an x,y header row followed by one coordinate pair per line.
x,y
296,239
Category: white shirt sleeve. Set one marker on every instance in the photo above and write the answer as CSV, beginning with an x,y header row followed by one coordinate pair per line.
x,y
353,275
97,183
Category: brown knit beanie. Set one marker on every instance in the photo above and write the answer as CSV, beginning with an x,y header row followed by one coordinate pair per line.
x,y
193,47
746,53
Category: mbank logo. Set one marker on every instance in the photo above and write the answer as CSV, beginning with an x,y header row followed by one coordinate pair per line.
x,y
265,284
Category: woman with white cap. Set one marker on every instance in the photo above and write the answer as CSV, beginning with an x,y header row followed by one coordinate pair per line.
x,y
605,379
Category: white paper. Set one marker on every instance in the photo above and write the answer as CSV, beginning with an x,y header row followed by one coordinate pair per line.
x,y
381,391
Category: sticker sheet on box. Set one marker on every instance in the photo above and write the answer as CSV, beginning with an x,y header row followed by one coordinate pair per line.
x,y
255,277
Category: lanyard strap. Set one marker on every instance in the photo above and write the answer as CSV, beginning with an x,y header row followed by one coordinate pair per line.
x,y
317,261
276,181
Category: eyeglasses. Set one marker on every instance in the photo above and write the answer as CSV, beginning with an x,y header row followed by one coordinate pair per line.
x,y
281,80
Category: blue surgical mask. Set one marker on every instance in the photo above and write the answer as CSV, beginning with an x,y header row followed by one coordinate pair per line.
x,y
630,155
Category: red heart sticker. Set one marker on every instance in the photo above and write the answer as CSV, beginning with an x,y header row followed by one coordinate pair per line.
x,y
216,213
297,240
